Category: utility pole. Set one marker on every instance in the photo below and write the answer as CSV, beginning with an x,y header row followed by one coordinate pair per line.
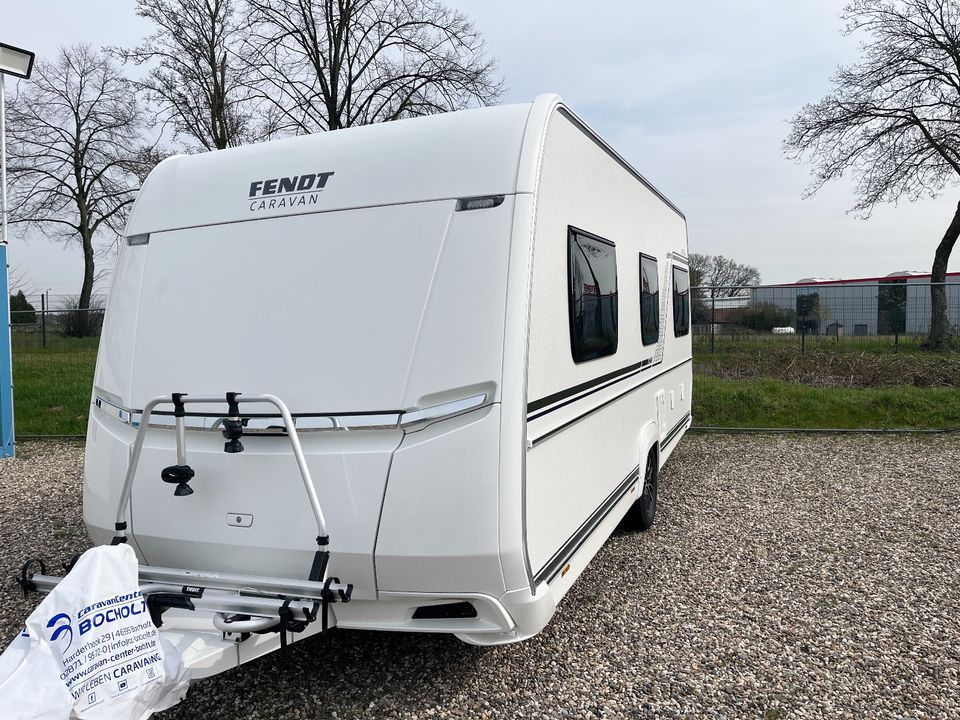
x,y
16,62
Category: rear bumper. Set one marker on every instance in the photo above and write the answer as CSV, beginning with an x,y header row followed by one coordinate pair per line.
x,y
513,617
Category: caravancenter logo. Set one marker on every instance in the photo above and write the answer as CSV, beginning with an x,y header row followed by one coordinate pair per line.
x,y
287,192
61,629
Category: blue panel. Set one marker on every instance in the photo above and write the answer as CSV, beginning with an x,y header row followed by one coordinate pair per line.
x,y
6,370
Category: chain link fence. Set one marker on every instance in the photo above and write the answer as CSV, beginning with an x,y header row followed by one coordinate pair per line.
x,y
54,355
831,355
813,356
833,315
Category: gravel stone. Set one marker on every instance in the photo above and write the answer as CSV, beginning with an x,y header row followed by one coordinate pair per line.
x,y
813,576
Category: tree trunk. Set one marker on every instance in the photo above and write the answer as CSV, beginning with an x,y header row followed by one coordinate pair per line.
x,y
86,289
939,321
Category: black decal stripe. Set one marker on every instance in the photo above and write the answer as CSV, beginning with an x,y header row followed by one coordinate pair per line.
x,y
605,380
674,431
587,413
583,533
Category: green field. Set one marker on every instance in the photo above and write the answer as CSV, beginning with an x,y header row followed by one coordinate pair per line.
x,y
768,403
52,388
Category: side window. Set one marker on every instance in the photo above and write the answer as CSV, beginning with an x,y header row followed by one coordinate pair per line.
x,y
681,301
649,300
592,291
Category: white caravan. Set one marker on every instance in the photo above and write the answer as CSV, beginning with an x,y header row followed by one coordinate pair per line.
x,y
427,367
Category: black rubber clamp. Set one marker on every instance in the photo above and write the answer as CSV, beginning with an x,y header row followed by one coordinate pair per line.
x,y
319,567
25,581
159,603
178,409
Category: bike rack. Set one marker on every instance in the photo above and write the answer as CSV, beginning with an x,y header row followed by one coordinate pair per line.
x,y
240,603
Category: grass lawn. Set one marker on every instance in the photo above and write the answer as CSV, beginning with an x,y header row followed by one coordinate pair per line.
x,y
51,388
767,403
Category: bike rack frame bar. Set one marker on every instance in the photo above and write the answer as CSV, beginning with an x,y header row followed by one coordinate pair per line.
x,y
124,504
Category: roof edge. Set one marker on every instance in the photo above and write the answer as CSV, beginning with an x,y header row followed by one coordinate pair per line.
x,y
535,137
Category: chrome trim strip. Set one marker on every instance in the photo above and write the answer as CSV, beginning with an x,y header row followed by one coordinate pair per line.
x,y
114,411
273,424
441,412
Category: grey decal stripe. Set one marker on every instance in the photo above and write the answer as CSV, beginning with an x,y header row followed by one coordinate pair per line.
x,y
587,413
576,541
534,408
674,430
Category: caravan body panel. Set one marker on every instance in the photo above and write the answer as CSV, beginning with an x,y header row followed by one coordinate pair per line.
x,y
585,419
423,345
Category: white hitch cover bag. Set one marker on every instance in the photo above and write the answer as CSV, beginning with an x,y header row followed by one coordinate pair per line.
x,y
90,650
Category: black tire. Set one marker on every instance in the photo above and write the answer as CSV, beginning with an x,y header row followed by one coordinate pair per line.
x,y
644,510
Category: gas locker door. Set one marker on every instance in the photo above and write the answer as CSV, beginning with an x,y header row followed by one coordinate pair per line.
x,y
249,513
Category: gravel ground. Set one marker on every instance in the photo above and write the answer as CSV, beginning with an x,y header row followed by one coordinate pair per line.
x,y
786,577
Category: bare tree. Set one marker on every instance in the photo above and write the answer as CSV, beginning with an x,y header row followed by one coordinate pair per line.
x,y
18,280
75,152
722,276
196,77
894,118
329,64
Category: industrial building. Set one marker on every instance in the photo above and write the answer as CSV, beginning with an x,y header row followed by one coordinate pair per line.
x,y
898,303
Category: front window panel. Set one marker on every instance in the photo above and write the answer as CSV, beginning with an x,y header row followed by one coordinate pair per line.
x,y
649,300
681,301
592,277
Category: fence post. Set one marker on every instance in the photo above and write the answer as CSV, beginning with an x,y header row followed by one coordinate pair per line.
x,y
713,318
803,334
43,319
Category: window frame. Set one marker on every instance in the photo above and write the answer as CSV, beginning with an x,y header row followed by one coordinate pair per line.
x,y
572,232
675,294
656,265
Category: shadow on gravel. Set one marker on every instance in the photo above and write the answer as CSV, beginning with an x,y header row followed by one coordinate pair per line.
x,y
346,672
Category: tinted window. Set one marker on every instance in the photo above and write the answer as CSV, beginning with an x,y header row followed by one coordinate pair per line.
x,y
592,271
681,302
649,301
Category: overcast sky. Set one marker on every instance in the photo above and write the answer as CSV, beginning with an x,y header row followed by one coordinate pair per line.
x,y
697,95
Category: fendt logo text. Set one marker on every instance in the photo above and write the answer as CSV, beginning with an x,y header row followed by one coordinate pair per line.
x,y
287,192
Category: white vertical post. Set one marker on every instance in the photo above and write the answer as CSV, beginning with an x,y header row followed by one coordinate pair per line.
x,y
6,362
19,63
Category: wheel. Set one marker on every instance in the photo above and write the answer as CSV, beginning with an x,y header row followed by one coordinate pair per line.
x,y
644,510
